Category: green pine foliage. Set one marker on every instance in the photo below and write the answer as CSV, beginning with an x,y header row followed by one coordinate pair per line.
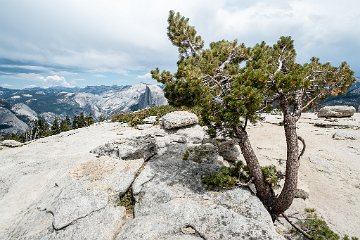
x,y
40,128
89,120
229,177
75,123
225,178
176,28
81,121
55,127
232,84
318,229
272,176
101,118
65,124
12,136
127,200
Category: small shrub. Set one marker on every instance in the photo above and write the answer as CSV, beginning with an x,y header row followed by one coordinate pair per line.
x,y
271,176
318,229
186,156
101,118
223,179
13,136
127,200
227,177
199,154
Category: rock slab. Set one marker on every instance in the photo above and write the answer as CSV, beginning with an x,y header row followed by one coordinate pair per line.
x,y
179,119
336,111
172,202
57,189
11,143
54,188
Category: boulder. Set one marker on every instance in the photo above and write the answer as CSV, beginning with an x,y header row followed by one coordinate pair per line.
x,y
229,150
150,120
341,123
129,149
194,134
204,153
172,203
346,136
11,143
336,111
57,189
178,119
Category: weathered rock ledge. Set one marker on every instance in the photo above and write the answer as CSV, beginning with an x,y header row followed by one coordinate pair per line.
x,y
67,186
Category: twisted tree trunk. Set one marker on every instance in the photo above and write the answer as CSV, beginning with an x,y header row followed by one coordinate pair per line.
x,y
286,197
275,205
263,190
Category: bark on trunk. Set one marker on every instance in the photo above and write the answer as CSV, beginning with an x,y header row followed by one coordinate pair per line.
x,y
286,197
263,190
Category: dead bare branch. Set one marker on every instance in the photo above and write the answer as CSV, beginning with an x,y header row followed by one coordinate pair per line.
x,y
296,227
304,147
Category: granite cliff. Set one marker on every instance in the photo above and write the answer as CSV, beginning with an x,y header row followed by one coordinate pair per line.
x,y
135,183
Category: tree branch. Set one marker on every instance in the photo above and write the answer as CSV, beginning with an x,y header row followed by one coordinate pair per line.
x,y
247,184
246,122
310,102
304,147
296,227
267,101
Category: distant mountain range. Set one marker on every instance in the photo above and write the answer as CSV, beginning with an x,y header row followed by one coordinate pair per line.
x,y
19,107
351,98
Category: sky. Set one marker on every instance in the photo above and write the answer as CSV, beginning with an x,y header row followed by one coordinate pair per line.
x,y
45,43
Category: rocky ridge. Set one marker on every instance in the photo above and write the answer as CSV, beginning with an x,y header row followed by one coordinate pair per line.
x,y
57,188
10,123
73,192
27,105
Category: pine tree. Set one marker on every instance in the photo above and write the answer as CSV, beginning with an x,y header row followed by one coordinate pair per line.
x,y
101,118
44,128
55,128
75,123
82,120
233,83
64,125
68,121
89,120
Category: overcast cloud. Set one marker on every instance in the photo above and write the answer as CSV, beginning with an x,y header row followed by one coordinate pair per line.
x,y
94,42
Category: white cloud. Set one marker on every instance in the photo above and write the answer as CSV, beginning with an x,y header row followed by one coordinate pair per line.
x,y
145,76
55,80
5,85
43,81
119,36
